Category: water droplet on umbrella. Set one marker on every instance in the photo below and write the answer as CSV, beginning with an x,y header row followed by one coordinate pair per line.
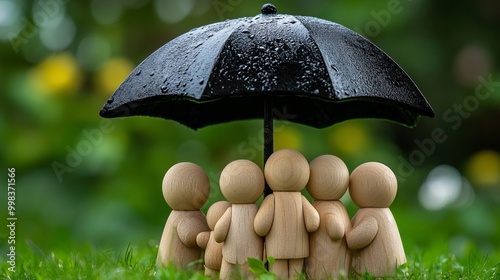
x,y
164,89
334,68
138,72
111,99
144,85
202,81
245,31
268,9
152,73
210,35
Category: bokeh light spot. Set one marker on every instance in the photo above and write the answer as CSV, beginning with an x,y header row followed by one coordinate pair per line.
x,y
92,51
287,138
349,138
48,13
172,11
60,36
483,168
442,187
112,73
470,63
10,18
57,74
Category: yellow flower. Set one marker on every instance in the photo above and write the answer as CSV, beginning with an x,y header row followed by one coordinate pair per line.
x,y
483,168
57,75
112,74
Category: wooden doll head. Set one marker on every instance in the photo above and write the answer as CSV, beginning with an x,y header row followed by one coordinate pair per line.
x,y
329,178
242,181
185,186
286,170
215,212
373,185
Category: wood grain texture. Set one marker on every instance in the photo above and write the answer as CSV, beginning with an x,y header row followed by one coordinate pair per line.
x,y
329,254
178,241
328,179
242,241
185,188
288,237
265,216
373,184
374,237
241,183
206,240
286,170
385,252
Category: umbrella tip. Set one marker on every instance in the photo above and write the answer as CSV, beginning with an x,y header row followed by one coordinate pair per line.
x,y
268,9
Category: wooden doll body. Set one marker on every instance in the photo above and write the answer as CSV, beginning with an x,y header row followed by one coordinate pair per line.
x,y
285,217
376,243
241,183
185,188
240,240
329,254
287,236
178,241
206,240
374,238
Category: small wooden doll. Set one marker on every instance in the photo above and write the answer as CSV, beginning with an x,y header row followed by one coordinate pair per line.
x,y
285,217
241,183
185,188
329,255
374,238
206,240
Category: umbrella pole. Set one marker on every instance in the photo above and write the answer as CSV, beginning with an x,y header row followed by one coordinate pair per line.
x,y
268,134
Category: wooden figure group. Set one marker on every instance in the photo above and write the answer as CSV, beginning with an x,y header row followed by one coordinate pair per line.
x,y
317,238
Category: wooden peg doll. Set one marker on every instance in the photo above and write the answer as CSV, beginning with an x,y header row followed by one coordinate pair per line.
x,y
206,240
329,255
374,238
185,188
285,216
241,183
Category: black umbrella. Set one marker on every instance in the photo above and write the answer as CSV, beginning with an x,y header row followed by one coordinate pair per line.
x,y
313,71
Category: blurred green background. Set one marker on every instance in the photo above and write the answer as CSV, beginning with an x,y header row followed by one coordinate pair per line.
x,y
81,179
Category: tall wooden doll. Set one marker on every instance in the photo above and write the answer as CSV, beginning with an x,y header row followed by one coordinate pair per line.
x,y
241,183
286,217
375,236
185,188
329,255
206,240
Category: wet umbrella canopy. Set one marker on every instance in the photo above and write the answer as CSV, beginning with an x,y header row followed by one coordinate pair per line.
x,y
314,71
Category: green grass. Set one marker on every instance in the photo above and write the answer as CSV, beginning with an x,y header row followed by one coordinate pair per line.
x,y
86,262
